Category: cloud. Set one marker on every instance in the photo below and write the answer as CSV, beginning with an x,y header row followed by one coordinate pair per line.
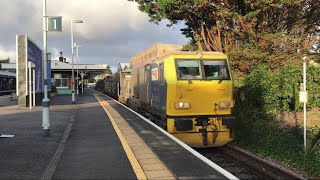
x,y
5,53
113,30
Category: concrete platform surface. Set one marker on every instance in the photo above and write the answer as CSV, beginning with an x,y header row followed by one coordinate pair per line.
x,y
91,150
27,155
96,138
181,163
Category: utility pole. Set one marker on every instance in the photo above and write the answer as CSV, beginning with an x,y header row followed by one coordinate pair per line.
x,y
305,103
77,69
72,52
45,100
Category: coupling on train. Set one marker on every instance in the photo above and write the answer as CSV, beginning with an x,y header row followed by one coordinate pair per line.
x,y
189,94
7,82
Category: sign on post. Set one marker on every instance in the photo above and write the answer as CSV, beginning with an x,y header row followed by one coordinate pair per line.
x,y
303,97
54,23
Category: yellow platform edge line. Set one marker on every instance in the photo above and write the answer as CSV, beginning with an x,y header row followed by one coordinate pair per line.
x,y
132,158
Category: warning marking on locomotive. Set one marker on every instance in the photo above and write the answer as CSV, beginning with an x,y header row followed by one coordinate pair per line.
x,y
154,74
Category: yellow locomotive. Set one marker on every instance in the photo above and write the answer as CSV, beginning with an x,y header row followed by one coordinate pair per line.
x,y
190,94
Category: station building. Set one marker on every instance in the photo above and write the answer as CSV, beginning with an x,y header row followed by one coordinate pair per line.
x,y
61,73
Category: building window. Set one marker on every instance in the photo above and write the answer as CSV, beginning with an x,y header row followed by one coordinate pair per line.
x,y
61,80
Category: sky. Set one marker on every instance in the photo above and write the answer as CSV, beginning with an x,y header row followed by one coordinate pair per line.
x,y
112,32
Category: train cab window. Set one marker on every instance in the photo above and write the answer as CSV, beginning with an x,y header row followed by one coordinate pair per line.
x,y
189,69
216,69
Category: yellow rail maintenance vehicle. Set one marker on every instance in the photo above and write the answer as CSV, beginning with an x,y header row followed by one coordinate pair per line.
x,y
189,93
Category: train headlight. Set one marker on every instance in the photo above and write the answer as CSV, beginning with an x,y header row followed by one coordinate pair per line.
x,y
226,104
182,105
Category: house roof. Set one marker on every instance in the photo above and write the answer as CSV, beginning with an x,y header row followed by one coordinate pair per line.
x,y
8,66
58,65
123,66
5,60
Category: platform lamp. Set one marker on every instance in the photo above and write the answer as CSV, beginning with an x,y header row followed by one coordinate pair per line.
x,y
77,48
72,51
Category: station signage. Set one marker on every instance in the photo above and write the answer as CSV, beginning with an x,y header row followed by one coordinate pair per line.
x,y
54,23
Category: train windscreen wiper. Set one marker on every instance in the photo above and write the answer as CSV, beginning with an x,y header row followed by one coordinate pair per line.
x,y
183,75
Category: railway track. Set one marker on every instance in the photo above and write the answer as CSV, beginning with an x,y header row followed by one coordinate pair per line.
x,y
245,165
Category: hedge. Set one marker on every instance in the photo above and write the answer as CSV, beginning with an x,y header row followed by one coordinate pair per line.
x,y
262,96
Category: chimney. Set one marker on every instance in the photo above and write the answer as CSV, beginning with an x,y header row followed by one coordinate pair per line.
x,y
64,60
61,57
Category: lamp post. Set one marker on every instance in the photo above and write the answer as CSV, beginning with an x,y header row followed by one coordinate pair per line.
x,y
77,46
82,74
45,100
72,48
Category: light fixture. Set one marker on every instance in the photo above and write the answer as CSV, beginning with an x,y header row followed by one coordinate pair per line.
x,y
226,104
183,105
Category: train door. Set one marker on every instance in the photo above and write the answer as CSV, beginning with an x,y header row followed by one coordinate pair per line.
x,y
158,91
135,82
148,82
162,89
127,89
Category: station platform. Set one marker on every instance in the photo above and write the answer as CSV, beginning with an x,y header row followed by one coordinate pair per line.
x,y
96,138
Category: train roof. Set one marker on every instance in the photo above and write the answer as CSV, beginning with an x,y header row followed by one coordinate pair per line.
x,y
7,74
155,51
176,53
196,52
199,53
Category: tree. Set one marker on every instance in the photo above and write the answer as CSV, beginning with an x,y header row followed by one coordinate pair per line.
x,y
202,17
275,32
252,31
99,86
108,70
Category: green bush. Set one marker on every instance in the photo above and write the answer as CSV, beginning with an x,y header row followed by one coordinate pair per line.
x,y
53,89
279,91
99,85
265,94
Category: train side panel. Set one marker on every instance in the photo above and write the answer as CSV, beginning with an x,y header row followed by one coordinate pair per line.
x,y
112,86
125,86
158,86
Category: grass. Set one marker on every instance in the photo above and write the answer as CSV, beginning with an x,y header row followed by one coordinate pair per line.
x,y
260,134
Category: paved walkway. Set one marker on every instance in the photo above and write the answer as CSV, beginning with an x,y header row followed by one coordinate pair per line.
x,y
91,151
27,155
95,138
